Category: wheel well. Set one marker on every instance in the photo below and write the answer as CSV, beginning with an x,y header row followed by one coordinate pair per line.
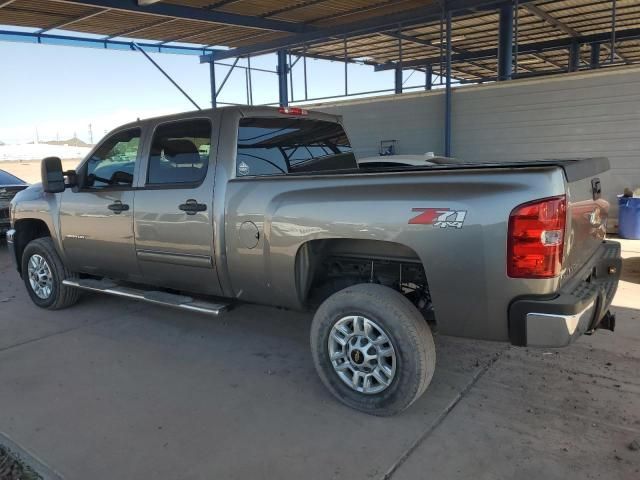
x,y
324,267
26,231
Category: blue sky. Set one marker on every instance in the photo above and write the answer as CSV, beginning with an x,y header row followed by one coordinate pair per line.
x,y
60,90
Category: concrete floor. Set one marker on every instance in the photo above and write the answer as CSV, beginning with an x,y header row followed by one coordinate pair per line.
x,y
119,389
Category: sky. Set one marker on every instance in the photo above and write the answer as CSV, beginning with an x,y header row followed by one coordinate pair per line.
x,y
57,91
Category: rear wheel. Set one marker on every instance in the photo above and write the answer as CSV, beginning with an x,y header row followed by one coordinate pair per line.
x,y
43,273
372,349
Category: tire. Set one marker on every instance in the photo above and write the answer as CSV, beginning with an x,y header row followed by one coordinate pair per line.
x,y
56,296
389,314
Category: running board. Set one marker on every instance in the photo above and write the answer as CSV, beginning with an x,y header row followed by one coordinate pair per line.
x,y
151,296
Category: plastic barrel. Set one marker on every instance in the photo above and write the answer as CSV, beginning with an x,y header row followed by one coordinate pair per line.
x,y
629,217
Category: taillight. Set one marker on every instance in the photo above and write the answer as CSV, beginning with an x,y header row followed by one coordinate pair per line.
x,y
536,238
292,110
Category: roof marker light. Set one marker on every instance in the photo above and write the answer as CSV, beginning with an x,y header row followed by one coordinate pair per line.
x,y
292,111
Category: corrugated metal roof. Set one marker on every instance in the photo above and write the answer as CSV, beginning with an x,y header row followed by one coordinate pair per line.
x,y
538,21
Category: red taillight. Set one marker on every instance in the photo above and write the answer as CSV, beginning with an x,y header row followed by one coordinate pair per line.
x,y
292,111
536,238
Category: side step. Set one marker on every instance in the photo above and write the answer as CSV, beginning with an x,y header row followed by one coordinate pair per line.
x,y
151,296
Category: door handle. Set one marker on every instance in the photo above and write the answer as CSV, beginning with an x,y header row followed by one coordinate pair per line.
x,y
191,207
118,207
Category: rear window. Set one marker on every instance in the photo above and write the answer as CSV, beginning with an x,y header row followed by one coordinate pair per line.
x,y
7,179
180,152
280,146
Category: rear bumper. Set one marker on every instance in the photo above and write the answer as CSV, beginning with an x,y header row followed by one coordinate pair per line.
x,y
581,306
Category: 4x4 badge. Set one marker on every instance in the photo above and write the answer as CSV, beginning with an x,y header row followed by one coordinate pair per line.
x,y
439,217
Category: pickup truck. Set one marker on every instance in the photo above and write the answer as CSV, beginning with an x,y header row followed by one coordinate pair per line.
x,y
203,210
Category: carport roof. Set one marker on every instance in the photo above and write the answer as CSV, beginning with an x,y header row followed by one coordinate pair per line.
x,y
385,33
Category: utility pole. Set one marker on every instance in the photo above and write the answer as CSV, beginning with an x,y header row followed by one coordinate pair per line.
x,y
90,135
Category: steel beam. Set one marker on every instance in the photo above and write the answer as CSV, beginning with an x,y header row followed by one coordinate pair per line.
x,y
283,68
370,25
398,79
523,48
538,12
193,13
574,56
175,84
448,92
101,43
212,80
66,23
595,55
428,80
505,42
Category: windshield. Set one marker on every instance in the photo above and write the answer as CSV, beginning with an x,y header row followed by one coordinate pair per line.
x,y
7,179
280,146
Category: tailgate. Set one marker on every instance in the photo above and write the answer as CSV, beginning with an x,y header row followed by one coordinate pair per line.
x,y
587,210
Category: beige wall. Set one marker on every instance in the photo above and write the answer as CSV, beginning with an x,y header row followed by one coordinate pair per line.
x,y
585,114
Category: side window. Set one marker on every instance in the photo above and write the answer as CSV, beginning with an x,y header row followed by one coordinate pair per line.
x,y
180,153
113,163
277,146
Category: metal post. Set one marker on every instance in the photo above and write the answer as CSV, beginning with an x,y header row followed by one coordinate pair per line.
x,y
516,34
212,79
282,78
398,76
304,64
346,68
505,43
595,55
398,80
250,80
428,81
574,57
447,122
613,30
290,68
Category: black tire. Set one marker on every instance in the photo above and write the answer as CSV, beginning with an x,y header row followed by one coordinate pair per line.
x,y
61,296
410,336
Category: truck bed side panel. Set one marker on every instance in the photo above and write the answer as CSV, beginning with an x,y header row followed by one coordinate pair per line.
x,y
465,266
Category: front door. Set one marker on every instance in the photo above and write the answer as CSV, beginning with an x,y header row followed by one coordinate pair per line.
x,y
173,219
96,217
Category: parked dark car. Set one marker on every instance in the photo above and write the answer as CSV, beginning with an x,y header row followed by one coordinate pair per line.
x,y
9,186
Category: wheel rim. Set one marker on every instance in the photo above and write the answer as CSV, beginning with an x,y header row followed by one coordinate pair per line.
x,y
362,354
40,277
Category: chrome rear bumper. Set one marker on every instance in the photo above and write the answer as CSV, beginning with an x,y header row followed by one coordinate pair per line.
x,y
579,307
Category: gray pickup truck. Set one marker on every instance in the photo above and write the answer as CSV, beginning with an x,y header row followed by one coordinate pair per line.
x,y
205,209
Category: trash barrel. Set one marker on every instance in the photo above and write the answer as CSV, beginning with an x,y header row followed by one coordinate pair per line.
x,y
629,217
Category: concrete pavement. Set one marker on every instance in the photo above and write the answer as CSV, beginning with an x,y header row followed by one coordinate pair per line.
x,y
117,389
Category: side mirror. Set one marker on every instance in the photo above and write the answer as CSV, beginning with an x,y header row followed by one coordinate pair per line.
x,y
52,175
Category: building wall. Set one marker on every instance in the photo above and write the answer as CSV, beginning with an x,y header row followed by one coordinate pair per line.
x,y
584,114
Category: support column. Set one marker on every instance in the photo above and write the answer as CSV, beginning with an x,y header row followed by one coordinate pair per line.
x,y
574,57
428,81
447,112
212,79
595,55
283,70
398,79
505,42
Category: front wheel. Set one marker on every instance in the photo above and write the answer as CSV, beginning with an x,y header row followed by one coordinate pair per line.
x,y
43,273
372,349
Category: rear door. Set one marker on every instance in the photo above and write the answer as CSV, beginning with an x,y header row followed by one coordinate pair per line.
x,y
174,208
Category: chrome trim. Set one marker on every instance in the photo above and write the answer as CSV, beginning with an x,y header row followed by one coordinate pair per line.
x,y
554,330
135,294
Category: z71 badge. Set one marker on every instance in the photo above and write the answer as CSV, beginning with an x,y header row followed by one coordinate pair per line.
x,y
439,217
